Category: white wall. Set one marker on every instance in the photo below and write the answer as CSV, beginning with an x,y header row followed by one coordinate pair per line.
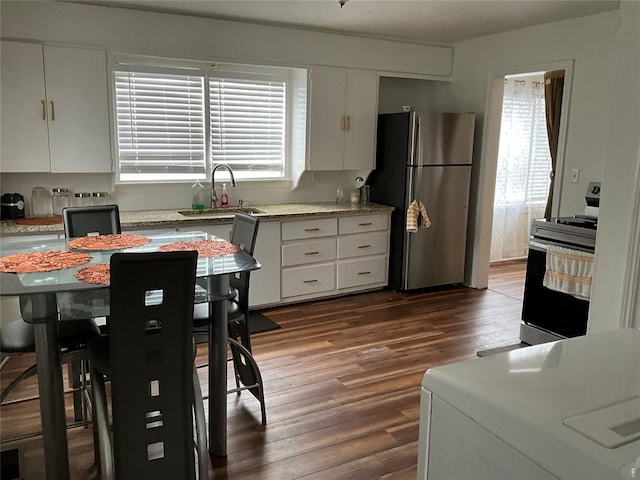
x,y
397,92
616,284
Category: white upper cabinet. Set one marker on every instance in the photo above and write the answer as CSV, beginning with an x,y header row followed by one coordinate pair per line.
x,y
55,111
343,110
25,138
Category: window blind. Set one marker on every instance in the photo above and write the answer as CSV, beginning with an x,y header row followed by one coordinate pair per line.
x,y
248,126
160,125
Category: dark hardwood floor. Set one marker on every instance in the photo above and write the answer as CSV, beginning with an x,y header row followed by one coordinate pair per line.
x,y
342,379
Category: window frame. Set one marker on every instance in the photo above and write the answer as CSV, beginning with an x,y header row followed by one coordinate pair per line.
x,y
207,69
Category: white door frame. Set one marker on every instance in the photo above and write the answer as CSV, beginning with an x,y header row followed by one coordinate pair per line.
x,y
489,159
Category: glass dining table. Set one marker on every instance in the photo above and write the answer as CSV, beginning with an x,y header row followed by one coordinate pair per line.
x,y
58,295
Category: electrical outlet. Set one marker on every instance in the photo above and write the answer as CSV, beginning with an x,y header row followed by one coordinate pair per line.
x,y
575,175
314,177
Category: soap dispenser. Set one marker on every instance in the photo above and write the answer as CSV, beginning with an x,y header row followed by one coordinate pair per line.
x,y
224,198
197,202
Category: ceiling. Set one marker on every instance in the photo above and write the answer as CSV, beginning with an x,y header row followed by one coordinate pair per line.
x,y
420,21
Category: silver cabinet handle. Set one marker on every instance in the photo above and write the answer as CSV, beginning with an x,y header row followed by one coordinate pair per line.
x,y
52,112
43,110
312,253
310,281
365,224
312,229
364,246
364,273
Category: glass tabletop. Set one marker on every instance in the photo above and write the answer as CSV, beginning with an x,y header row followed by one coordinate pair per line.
x,y
57,281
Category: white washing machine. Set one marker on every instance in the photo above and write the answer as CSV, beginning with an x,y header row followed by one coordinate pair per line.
x,y
563,410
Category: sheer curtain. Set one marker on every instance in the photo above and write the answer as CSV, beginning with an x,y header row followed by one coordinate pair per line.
x,y
524,163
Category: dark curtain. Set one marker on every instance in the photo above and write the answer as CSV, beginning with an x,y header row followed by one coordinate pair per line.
x,y
553,87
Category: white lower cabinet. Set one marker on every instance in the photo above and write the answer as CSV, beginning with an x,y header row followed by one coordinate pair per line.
x,y
362,272
308,280
322,257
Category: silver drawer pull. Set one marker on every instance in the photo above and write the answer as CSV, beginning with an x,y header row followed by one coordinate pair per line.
x,y
364,246
365,224
312,253
310,281
364,273
312,229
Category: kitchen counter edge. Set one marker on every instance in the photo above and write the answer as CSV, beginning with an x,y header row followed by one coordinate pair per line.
x,y
142,219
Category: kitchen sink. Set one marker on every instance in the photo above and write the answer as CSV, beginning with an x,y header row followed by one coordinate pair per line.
x,y
219,211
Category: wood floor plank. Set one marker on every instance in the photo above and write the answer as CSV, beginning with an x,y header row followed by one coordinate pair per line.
x,y
342,383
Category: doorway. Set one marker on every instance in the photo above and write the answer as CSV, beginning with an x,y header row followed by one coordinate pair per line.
x,y
524,163
483,215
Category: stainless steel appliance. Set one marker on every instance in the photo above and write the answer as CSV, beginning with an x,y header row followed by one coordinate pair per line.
x,y
549,315
425,156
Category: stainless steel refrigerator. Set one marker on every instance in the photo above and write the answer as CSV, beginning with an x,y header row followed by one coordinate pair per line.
x,y
425,156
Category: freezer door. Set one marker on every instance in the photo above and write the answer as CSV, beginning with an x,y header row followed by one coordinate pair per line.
x,y
435,255
443,138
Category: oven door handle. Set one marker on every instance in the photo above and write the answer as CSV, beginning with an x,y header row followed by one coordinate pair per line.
x,y
541,247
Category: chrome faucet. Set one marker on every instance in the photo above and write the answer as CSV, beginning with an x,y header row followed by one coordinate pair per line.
x,y
214,195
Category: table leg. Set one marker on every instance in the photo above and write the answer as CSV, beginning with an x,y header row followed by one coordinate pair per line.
x,y
52,412
218,286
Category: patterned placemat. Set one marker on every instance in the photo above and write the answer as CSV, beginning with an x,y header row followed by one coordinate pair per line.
x,y
31,262
116,241
205,248
98,274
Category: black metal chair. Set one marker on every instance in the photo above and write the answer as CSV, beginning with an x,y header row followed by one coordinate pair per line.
x,y
243,234
97,220
17,336
149,356
247,374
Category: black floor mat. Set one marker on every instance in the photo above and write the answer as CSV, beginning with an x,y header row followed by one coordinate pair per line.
x,y
259,323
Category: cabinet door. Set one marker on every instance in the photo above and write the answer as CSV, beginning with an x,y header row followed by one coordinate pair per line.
x,y
24,124
265,283
327,100
362,117
76,81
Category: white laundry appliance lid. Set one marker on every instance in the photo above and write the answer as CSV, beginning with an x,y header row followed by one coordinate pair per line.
x,y
525,396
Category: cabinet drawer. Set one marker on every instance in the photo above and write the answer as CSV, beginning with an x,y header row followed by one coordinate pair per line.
x,y
361,245
312,251
363,223
321,227
363,271
308,280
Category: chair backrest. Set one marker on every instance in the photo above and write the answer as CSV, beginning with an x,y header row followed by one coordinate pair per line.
x,y
151,322
244,234
82,221
245,231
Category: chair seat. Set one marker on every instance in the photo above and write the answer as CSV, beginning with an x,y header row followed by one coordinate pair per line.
x,y
17,335
201,313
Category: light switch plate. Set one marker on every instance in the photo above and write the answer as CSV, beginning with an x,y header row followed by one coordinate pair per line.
x,y
575,175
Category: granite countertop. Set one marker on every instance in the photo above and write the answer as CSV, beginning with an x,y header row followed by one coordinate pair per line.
x,y
158,218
